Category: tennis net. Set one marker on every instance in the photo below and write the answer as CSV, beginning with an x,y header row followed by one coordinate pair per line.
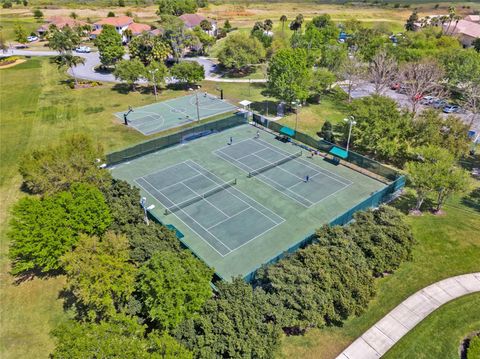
x,y
190,201
274,164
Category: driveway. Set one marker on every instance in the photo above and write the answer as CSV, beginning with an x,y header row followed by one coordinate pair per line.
x,y
367,88
92,60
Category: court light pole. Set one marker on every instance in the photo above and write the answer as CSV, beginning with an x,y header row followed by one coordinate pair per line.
x,y
198,109
351,121
297,105
152,72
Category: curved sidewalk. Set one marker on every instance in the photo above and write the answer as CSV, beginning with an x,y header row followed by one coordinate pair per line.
x,y
377,340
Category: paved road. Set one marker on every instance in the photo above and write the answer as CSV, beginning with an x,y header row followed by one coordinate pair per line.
x,y
92,60
377,340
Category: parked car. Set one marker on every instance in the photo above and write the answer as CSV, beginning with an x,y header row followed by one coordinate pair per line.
x,y
439,103
32,38
428,100
83,49
451,109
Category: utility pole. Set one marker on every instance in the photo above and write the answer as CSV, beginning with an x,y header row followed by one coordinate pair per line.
x,y
152,72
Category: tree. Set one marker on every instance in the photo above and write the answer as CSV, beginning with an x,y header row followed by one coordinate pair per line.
x,y
419,79
381,129
322,80
43,230
474,348
476,44
99,275
227,26
73,15
7,4
435,171
240,51
173,286
188,72
283,20
383,69
206,25
326,132
288,73
20,33
111,14
353,72
155,73
122,337
296,24
176,7
235,324
70,61
57,167
268,25
64,40
129,71
410,24
174,35
451,133
148,48
109,44
37,14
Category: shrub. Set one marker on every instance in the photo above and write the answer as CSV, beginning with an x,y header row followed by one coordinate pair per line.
x,y
473,351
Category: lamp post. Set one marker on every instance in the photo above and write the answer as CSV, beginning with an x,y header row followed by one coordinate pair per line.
x,y
152,72
351,121
297,105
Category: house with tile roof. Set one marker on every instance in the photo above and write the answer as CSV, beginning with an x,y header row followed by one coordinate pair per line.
x,y
193,20
60,22
466,31
121,25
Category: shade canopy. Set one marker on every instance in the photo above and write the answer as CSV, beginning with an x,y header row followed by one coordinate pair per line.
x,y
339,152
287,131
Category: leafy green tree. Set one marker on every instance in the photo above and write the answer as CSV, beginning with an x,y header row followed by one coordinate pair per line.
x,y
174,35
385,239
296,25
42,230
332,57
451,133
148,48
240,51
173,286
122,337
381,129
111,14
435,172
129,71
476,44
70,61
206,25
176,7
99,275
473,350
318,285
64,40
20,32
326,132
227,26
322,80
109,44
410,24
56,167
188,72
235,324
155,73
205,39
37,14
288,73
7,4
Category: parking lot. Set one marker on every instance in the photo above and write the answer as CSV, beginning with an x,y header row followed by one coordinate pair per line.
x,y
367,88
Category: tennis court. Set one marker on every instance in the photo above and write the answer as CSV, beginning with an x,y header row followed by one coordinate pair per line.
x,y
284,171
209,206
176,112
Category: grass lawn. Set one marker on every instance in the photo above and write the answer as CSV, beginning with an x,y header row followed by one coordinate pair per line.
x,y
8,23
447,246
448,326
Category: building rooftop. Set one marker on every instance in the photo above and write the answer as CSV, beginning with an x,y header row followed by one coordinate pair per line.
x,y
115,21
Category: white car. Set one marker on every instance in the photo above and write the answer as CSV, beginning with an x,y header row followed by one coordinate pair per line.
x,y
83,49
32,38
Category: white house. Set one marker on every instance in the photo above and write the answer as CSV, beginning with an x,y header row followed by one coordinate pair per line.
x,y
121,24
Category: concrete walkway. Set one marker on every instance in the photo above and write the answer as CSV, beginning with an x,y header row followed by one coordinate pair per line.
x,y
377,340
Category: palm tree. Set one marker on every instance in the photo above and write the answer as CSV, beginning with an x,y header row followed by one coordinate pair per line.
x,y
443,20
70,61
283,20
457,18
268,25
451,16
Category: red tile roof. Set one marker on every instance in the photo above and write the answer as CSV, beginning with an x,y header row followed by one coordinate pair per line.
x,y
115,21
463,27
136,28
60,22
192,20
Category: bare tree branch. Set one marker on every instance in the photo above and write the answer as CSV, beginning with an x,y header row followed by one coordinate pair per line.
x,y
353,72
383,69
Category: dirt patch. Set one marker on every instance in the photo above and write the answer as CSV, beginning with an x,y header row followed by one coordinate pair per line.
x,y
11,64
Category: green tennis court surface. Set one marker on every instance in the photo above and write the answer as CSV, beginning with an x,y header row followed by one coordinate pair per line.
x,y
209,206
283,171
176,112
241,205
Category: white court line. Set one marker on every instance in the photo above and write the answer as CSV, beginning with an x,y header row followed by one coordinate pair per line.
x,y
194,231
226,219
233,194
236,163
174,184
206,200
306,164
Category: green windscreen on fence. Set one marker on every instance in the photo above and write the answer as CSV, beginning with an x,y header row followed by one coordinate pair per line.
x,y
159,143
325,146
